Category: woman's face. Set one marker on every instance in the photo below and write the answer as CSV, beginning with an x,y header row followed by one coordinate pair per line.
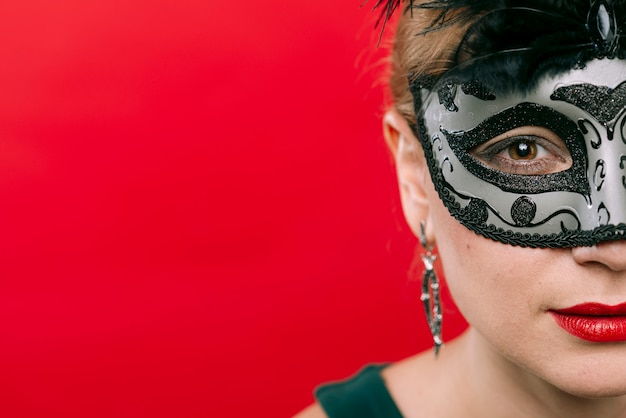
x,y
540,167
542,311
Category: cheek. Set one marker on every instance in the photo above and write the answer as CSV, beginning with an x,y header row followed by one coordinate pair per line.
x,y
494,285
471,276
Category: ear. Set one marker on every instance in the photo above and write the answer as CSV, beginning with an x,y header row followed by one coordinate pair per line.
x,y
413,177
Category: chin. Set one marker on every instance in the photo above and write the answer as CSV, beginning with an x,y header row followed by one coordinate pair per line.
x,y
589,372
596,387
599,393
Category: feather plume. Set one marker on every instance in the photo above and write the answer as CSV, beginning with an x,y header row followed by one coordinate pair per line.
x,y
512,43
468,9
387,10
511,47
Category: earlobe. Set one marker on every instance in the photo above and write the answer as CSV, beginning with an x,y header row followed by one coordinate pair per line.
x,y
413,177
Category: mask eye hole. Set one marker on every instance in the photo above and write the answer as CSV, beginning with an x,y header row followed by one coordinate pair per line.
x,y
527,150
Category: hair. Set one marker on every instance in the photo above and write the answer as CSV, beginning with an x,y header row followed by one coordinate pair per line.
x,y
420,51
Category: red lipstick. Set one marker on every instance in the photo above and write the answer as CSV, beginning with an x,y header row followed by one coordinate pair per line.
x,y
593,322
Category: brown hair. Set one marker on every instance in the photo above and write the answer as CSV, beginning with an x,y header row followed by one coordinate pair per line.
x,y
420,49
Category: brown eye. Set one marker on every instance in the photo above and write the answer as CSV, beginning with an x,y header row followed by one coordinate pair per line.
x,y
529,150
523,150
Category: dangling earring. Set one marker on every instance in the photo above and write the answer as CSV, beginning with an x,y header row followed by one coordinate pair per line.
x,y
430,291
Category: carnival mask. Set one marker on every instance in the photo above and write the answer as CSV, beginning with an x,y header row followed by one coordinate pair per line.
x,y
525,137
545,168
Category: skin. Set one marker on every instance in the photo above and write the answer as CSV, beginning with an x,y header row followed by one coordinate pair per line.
x,y
514,360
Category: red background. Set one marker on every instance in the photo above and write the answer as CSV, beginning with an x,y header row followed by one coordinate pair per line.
x,y
198,214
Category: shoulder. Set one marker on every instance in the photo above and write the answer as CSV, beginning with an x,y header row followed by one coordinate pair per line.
x,y
313,411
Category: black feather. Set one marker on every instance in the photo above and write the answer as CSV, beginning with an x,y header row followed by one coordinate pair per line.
x,y
387,11
513,43
513,47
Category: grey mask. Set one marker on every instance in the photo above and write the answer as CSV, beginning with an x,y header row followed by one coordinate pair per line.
x,y
558,181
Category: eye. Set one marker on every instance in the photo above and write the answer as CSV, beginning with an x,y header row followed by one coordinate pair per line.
x,y
526,151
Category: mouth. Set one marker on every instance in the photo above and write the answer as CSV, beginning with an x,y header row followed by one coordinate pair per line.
x,y
594,322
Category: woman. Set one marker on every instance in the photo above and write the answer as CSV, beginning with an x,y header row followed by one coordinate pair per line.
x,y
509,134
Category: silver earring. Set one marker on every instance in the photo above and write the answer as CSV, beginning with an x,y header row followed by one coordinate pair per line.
x,y
430,291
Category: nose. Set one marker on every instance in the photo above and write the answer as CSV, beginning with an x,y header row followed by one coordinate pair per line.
x,y
611,254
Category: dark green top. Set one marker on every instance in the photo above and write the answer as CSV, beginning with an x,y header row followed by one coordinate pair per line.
x,y
362,396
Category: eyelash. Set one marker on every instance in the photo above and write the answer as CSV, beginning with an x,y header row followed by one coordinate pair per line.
x,y
550,157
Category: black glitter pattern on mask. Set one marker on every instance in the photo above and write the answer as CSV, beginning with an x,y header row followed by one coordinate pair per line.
x,y
477,89
523,211
476,209
567,238
601,102
574,179
446,94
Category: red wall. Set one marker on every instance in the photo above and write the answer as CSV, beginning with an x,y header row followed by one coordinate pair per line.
x,y
198,215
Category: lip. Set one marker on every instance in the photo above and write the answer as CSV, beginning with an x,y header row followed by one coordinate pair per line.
x,y
594,322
